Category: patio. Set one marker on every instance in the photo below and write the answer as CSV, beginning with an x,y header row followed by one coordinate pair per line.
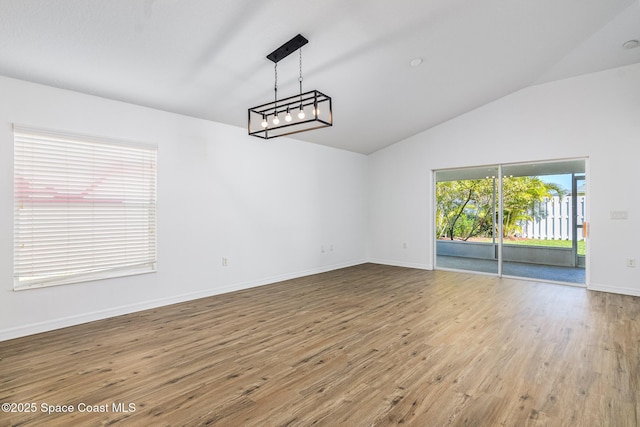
x,y
550,273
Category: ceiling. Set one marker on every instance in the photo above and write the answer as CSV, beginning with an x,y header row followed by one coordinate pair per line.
x,y
207,58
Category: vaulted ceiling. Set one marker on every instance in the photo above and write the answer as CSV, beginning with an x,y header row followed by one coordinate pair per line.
x,y
207,58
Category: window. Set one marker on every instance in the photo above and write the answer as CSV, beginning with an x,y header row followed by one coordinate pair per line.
x,y
84,208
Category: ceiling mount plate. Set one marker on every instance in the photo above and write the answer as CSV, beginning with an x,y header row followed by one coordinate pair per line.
x,y
288,48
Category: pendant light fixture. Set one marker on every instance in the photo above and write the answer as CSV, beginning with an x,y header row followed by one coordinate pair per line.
x,y
297,113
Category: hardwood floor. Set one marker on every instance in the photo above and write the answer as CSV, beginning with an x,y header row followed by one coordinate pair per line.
x,y
370,345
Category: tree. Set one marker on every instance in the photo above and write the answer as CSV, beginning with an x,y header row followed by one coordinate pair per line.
x,y
465,208
519,197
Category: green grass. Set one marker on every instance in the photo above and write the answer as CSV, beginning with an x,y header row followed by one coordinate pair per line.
x,y
549,243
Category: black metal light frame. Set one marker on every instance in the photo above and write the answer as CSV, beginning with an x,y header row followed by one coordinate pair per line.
x,y
298,113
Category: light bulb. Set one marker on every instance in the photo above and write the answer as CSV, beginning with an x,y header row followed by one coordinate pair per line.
x,y
301,114
316,112
264,123
288,117
276,120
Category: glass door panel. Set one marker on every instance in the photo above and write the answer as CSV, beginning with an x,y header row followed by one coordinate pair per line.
x,y
467,219
542,226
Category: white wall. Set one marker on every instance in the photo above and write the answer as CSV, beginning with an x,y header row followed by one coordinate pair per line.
x,y
268,207
595,116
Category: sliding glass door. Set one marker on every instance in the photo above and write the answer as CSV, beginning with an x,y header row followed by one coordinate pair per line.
x,y
521,220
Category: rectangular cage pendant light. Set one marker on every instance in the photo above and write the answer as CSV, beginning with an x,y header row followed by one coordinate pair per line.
x,y
298,113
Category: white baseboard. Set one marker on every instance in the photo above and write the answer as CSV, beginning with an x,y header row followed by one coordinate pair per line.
x,y
35,328
614,290
396,263
50,325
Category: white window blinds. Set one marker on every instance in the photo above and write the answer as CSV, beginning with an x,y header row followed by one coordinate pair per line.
x,y
84,208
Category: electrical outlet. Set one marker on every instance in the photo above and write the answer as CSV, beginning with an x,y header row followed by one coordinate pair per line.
x,y
225,262
631,262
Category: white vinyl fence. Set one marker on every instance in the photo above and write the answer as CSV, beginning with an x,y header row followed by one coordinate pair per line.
x,y
554,222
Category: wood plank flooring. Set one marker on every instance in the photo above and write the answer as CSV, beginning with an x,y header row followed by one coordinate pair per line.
x,y
369,345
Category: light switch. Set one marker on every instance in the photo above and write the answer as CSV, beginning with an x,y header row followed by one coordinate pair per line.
x,y
619,214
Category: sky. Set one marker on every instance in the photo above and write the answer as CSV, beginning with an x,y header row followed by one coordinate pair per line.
x,y
563,180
